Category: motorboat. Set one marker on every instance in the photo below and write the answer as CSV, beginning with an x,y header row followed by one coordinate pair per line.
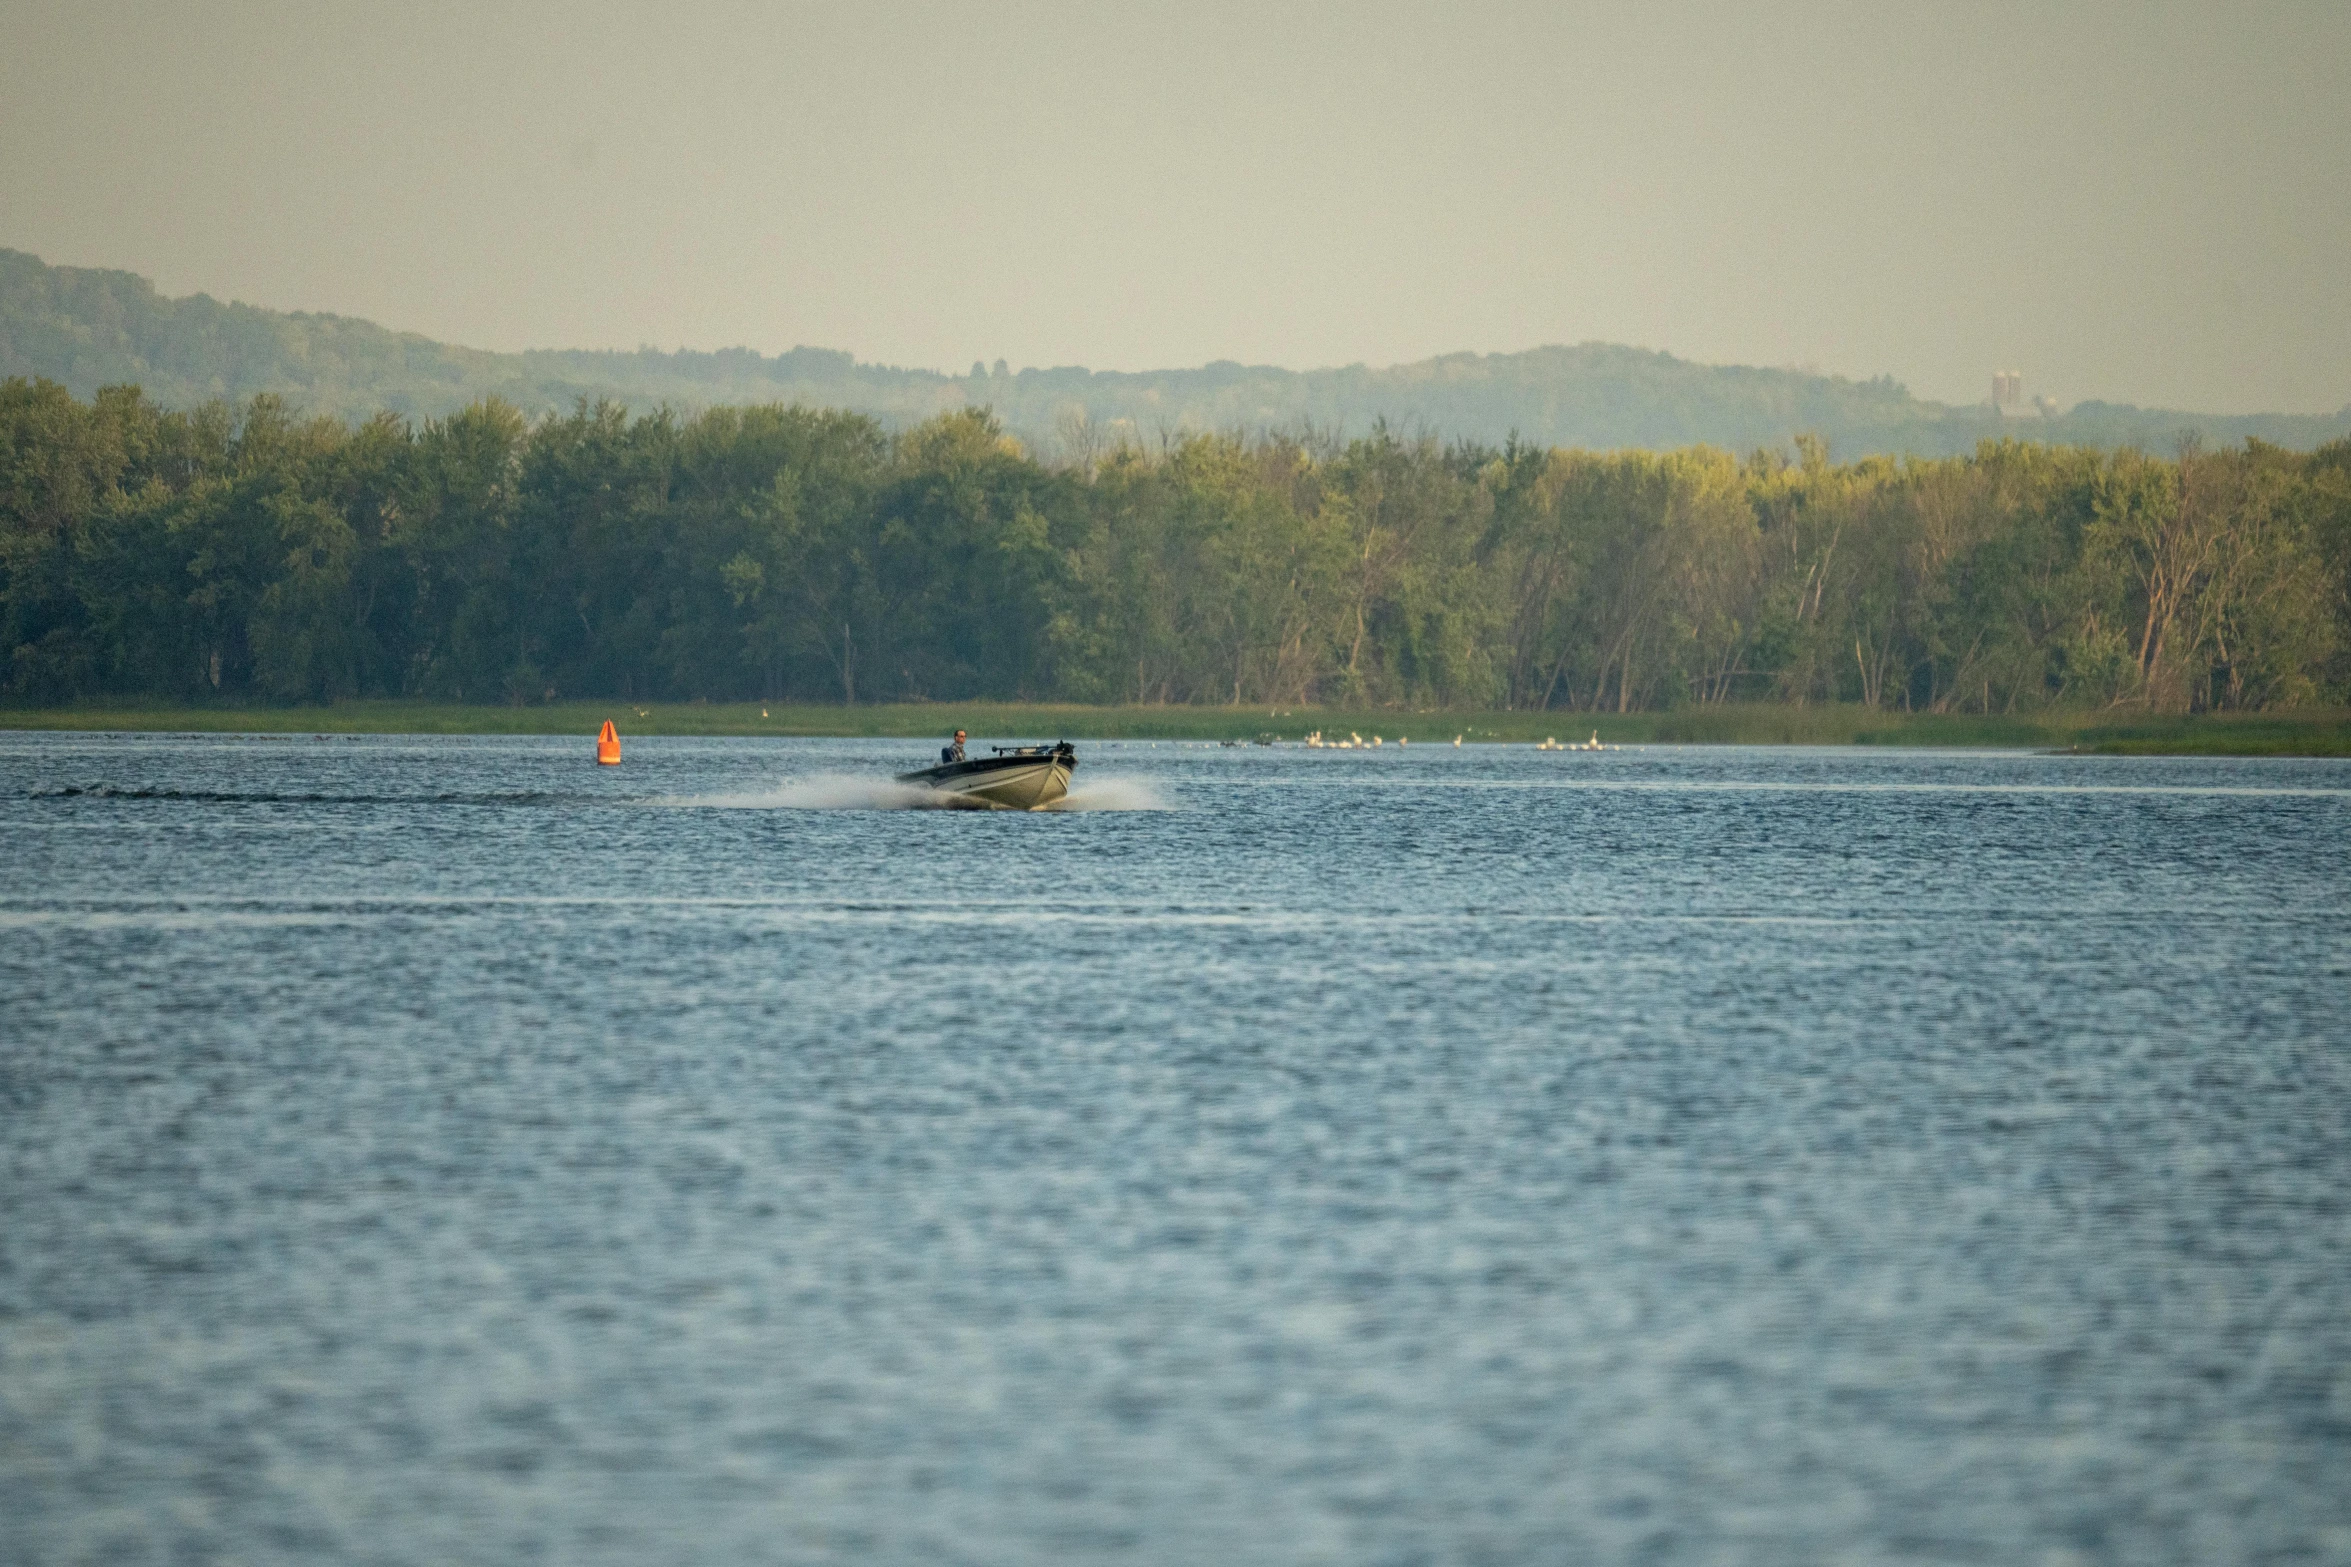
x,y
1016,778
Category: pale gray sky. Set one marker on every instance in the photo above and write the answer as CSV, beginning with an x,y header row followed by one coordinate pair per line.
x,y
2143,202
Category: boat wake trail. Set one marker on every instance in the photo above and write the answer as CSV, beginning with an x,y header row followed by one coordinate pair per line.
x,y
826,792
1112,794
223,797
843,792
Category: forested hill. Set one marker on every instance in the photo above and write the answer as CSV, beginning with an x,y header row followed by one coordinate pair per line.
x,y
86,328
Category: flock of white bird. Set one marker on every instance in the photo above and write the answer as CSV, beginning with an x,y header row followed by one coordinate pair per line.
x,y
1354,741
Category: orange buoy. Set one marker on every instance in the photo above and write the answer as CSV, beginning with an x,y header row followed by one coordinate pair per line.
x,y
608,746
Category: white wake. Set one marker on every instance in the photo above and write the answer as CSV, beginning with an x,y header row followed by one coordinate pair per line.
x,y
1112,794
848,792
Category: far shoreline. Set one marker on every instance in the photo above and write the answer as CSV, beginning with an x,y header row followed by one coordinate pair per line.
x,y
2307,732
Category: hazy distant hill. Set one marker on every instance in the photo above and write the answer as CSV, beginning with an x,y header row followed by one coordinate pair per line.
x,y
88,328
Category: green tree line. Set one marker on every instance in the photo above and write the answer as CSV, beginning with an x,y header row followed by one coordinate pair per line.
x,y
794,553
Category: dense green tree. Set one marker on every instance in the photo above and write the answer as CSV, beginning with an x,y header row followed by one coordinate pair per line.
x,y
788,552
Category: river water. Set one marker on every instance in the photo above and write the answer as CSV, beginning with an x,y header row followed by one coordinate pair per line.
x,y
445,1151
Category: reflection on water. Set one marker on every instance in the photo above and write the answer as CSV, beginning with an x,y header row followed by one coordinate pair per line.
x,y
448,1151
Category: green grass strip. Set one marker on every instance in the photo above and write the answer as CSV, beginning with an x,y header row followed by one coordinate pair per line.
x,y
2307,733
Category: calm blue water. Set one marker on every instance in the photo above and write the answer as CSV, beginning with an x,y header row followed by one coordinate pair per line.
x,y
446,1151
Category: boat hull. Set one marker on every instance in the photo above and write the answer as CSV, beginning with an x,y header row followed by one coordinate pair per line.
x,y
1002,783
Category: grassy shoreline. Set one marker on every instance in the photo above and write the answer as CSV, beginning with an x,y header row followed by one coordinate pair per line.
x,y
2320,732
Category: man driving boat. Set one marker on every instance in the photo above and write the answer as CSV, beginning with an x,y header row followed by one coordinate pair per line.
x,y
952,752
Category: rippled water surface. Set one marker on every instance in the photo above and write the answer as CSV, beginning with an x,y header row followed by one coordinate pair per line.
x,y
446,1151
